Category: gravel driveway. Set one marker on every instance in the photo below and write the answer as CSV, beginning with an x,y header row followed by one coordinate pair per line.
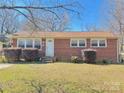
x,y
5,65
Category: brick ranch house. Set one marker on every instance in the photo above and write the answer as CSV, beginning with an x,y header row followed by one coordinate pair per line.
x,y
64,45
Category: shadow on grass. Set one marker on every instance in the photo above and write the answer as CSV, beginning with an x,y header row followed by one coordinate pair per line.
x,y
40,62
24,62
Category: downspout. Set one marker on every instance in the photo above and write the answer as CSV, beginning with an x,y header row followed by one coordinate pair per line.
x,y
118,50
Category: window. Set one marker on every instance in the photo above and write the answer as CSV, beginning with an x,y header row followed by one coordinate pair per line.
x,y
21,43
98,43
49,40
81,43
37,44
94,43
102,43
29,43
78,43
74,43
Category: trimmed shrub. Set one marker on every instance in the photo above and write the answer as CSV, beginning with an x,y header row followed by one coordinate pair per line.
x,y
104,61
12,54
30,54
90,56
76,59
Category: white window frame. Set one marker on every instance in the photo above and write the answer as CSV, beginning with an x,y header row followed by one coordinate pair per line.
x,y
78,43
98,41
33,42
22,40
26,43
71,43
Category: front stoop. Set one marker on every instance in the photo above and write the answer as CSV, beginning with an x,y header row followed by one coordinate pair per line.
x,y
48,59
122,57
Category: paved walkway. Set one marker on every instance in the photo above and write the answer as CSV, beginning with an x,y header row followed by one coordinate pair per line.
x,y
5,65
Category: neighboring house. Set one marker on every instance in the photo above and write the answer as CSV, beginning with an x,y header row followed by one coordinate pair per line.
x,y
5,40
122,52
64,45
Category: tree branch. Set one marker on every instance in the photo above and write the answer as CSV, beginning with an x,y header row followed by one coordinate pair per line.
x,y
34,7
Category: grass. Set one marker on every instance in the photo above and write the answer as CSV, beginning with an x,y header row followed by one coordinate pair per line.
x,y
2,59
62,78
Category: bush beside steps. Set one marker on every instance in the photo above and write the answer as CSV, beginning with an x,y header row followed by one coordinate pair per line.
x,y
30,54
104,61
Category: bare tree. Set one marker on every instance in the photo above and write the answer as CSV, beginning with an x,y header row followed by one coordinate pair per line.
x,y
8,22
33,5
116,18
55,24
49,22
91,28
116,13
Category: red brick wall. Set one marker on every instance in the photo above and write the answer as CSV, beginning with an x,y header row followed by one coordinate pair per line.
x,y
64,52
14,42
108,53
43,47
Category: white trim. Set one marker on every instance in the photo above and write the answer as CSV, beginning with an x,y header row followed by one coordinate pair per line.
x,y
33,43
118,51
46,51
25,43
18,42
39,40
78,43
98,40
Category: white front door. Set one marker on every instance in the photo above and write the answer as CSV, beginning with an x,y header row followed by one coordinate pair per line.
x,y
50,47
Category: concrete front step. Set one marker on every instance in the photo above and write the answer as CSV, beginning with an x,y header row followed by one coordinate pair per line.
x,y
47,59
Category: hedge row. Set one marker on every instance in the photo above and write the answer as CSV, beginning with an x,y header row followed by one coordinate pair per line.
x,y
12,54
15,54
30,54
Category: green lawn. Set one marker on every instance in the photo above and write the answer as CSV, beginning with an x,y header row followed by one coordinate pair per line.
x,y
62,78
